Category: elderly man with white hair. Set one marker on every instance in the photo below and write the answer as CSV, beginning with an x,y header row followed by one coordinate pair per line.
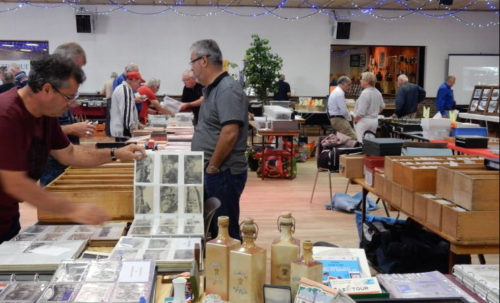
x,y
407,99
150,91
192,94
19,75
368,106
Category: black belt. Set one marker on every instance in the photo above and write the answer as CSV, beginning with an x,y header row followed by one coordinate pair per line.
x,y
337,117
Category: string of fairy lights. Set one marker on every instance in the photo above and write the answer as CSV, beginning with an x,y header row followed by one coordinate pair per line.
x,y
375,11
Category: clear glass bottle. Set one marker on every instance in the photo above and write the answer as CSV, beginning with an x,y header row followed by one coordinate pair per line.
x,y
247,273
284,251
306,267
217,260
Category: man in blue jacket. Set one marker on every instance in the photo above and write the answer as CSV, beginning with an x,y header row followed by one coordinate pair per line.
x,y
444,98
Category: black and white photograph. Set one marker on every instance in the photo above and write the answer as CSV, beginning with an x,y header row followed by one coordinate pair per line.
x,y
156,254
193,201
169,200
130,242
140,230
50,237
58,293
144,200
61,229
144,170
93,292
143,222
494,94
70,271
130,292
26,237
24,292
85,229
102,271
36,229
80,236
193,230
184,254
492,106
193,169
170,169
169,221
167,230
194,221
160,243
124,254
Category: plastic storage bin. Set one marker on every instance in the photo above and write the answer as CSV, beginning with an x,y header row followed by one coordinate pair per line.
x,y
478,131
274,112
284,104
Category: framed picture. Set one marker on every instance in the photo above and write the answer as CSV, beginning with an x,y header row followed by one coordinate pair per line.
x,y
473,105
362,60
355,61
381,61
492,107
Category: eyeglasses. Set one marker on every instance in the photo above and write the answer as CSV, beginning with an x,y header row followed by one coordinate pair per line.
x,y
68,99
187,79
197,59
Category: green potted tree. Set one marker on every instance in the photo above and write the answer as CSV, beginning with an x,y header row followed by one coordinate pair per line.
x,y
262,69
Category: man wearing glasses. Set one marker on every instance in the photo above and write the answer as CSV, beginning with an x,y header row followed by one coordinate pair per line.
x,y
221,132
192,95
123,112
69,126
30,131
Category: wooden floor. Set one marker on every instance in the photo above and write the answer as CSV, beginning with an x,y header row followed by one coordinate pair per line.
x,y
265,200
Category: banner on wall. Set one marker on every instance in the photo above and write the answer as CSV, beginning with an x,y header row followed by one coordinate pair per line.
x,y
23,64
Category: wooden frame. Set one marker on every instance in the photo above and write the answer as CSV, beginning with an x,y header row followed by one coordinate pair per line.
x,y
492,107
354,62
481,97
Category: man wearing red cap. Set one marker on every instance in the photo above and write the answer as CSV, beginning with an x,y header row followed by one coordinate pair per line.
x,y
123,112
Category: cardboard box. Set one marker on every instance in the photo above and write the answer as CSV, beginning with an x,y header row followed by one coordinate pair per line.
x,y
476,192
407,201
445,176
389,161
397,194
470,225
435,212
420,205
387,190
371,163
351,166
380,185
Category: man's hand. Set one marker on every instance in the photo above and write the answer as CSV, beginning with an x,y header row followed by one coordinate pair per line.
x,y
131,152
138,100
81,129
394,116
85,213
184,106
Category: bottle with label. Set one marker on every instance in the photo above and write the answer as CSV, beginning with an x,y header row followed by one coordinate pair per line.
x,y
305,267
247,270
284,251
217,260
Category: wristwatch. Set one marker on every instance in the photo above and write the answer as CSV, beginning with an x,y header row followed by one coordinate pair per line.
x,y
212,169
112,152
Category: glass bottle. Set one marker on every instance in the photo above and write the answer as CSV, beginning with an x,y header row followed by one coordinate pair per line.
x,y
284,251
217,260
305,267
247,273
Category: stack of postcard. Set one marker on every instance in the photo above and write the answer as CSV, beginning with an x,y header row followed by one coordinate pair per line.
x,y
168,191
107,235
21,291
342,263
38,256
101,281
481,279
168,253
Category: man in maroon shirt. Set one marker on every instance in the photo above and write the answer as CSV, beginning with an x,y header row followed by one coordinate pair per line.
x,y
30,131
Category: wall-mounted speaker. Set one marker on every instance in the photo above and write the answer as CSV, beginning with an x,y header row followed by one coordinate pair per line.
x,y
84,23
342,30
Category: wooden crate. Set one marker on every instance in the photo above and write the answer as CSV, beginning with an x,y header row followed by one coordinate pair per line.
x,y
420,205
380,185
476,192
351,166
389,162
407,201
108,186
435,212
445,175
397,193
387,190
470,225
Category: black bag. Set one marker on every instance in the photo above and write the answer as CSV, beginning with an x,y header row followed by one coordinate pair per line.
x,y
329,158
405,248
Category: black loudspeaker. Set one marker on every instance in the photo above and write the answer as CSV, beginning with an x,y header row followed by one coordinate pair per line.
x,y
446,2
84,23
342,30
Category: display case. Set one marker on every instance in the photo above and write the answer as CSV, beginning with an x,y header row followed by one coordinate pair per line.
x,y
484,100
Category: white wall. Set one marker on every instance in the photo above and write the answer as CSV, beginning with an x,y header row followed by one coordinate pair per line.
x,y
160,44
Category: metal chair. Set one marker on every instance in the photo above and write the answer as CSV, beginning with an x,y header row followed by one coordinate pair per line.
x,y
209,209
319,150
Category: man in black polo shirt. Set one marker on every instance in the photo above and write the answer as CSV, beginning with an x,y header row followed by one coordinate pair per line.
x,y
221,133
284,91
192,95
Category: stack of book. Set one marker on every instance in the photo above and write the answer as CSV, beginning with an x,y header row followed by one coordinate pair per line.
x,y
483,280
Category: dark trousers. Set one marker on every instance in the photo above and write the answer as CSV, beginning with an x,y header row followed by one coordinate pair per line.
x,y
107,127
50,174
228,189
13,230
